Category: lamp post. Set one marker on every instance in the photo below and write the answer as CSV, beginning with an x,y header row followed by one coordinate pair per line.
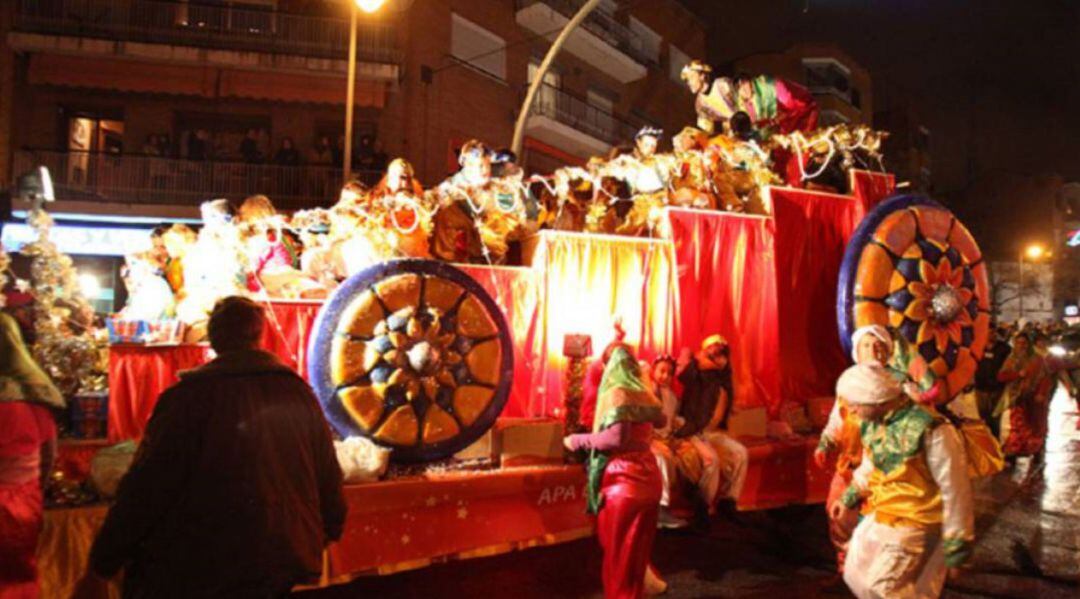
x,y
538,79
368,6
1033,252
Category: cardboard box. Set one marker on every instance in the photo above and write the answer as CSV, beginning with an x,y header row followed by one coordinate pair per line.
x,y
530,441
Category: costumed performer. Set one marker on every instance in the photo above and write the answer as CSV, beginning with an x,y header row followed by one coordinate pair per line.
x,y
272,254
708,394
624,483
919,514
27,447
403,219
691,457
872,344
178,240
714,100
215,267
149,295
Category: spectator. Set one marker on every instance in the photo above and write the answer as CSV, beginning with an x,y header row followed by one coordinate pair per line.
x,y
196,145
151,146
249,147
287,154
235,489
988,388
321,152
27,446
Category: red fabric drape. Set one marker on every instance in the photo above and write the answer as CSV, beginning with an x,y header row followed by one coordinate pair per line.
x,y
812,232
288,329
137,375
727,285
514,290
871,188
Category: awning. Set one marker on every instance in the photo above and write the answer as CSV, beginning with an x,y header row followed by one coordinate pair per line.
x,y
203,81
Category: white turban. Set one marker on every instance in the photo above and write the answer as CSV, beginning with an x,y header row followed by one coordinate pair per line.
x,y
867,384
871,329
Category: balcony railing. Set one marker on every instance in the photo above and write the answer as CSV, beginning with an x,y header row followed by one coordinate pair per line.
x,y
601,25
575,112
217,26
133,179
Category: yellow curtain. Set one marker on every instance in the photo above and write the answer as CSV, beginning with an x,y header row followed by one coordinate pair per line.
x,y
585,283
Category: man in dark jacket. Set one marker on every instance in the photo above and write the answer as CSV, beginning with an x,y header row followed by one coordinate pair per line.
x,y
235,489
987,387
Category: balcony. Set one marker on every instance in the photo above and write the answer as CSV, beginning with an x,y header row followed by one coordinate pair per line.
x,y
214,26
143,181
572,124
601,41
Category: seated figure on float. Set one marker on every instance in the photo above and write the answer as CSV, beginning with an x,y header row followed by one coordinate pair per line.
x,y
178,240
680,458
693,182
215,267
478,214
708,394
273,254
399,214
149,295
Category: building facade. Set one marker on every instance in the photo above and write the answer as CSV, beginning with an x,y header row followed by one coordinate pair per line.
x,y
152,106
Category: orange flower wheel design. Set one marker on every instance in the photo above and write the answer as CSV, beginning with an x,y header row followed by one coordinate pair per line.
x,y
414,355
913,267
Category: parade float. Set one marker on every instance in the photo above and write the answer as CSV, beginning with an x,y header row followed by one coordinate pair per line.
x,y
450,327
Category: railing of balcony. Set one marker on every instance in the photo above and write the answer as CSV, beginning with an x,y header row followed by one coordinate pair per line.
x,y
602,25
133,179
576,112
207,25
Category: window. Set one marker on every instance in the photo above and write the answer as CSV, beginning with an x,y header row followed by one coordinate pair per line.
x,y
677,59
478,47
650,40
548,94
604,107
828,76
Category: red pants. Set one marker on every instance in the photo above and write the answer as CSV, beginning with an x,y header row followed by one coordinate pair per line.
x,y
21,519
626,523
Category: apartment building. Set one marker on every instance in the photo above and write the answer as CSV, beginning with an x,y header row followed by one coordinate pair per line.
x,y
151,106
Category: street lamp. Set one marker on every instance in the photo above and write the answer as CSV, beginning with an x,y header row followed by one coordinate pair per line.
x,y
368,6
1033,253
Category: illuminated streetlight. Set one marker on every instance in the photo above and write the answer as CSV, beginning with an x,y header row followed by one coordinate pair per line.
x,y
369,6
1033,252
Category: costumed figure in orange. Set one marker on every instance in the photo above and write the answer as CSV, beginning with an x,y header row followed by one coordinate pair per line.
x,y
401,214
27,447
841,436
624,482
692,183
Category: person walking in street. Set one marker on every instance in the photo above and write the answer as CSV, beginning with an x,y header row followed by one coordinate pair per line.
x,y
27,447
624,481
919,515
235,489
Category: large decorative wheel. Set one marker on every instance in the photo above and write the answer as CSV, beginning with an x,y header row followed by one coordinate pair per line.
x,y
414,355
913,267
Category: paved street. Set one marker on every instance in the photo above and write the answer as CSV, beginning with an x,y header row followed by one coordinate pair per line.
x,y
1028,546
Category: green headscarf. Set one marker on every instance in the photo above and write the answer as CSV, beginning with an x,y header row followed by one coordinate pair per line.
x,y
21,379
623,397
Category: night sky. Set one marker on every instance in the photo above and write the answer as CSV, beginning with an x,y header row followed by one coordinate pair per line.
x,y
996,82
